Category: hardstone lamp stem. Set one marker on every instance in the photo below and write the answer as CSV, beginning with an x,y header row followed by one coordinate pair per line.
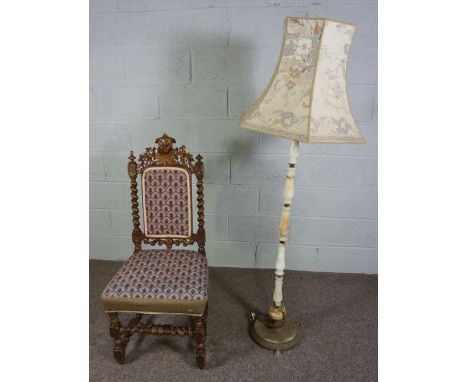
x,y
277,311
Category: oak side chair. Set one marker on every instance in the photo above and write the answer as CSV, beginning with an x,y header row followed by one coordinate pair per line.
x,y
162,281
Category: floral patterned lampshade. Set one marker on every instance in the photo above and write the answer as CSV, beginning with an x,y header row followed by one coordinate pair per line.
x,y
306,99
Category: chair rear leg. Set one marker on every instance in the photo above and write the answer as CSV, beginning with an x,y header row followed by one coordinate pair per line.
x,y
120,342
200,338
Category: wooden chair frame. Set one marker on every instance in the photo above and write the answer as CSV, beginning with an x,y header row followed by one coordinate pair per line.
x,y
163,156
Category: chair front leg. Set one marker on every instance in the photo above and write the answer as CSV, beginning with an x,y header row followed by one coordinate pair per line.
x,y
200,338
120,342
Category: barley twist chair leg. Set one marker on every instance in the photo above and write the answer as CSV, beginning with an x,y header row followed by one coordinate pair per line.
x,y
200,338
120,342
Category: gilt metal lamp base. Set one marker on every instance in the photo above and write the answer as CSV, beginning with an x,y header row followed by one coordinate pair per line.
x,y
273,335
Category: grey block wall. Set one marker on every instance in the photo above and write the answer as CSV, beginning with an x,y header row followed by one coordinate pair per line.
x,y
190,68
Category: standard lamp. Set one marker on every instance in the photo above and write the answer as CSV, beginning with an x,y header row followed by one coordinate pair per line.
x,y
305,101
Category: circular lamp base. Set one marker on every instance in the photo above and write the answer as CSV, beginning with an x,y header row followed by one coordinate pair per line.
x,y
274,337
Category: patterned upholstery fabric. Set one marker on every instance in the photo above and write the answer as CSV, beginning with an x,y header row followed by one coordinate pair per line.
x,y
173,281
167,202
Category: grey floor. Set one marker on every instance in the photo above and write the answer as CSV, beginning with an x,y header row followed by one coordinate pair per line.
x,y
338,333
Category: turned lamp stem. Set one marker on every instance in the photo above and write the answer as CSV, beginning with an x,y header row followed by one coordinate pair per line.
x,y
277,311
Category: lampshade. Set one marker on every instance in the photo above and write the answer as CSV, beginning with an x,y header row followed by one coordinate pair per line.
x,y
306,99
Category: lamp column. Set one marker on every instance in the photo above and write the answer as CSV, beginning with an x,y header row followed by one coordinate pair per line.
x,y
277,311
274,331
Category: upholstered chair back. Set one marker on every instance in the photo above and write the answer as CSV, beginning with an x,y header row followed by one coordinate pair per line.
x,y
166,196
167,202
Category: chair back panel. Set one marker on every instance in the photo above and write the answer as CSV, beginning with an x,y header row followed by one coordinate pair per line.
x,y
166,195
167,202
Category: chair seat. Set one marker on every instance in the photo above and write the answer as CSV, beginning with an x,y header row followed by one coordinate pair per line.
x,y
159,281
